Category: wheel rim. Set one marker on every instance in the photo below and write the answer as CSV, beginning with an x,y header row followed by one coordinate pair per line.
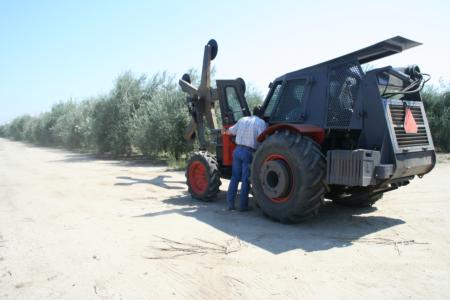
x,y
197,177
276,178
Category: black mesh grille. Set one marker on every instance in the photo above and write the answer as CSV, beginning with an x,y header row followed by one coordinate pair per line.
x,y
408,139
342,90
289,107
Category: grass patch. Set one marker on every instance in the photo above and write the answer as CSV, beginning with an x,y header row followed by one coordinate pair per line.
x,y
177,164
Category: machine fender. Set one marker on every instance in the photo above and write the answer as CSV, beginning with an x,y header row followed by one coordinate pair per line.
x,y
314,132
228,147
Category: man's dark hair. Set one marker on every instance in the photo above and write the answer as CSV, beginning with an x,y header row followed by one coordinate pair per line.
x,y
257,111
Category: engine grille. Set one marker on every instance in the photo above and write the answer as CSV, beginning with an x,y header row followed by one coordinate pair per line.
x,y
404,139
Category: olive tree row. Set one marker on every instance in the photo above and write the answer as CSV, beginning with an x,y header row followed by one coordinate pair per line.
x,y
139,115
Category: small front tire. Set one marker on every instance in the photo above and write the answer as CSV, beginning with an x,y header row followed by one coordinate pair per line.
x,y
203,176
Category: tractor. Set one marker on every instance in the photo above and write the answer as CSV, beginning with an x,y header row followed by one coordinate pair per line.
x,y
334,131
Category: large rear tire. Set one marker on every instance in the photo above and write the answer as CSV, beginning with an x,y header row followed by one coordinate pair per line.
x,y
288,173
203,176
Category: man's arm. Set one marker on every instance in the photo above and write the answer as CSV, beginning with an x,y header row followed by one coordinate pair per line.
x,y
233,129
261,127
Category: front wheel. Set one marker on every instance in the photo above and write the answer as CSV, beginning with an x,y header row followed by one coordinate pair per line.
x,y
203,176
288,173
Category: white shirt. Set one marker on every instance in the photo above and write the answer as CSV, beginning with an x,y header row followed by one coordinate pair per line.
x,y
247,130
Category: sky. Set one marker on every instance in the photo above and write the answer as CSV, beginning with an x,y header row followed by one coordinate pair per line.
x,y
53,51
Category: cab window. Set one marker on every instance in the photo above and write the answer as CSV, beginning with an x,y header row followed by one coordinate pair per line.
x,y
289,108
233,102
273,100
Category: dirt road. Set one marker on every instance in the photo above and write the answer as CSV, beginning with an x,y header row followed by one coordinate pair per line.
x,y
72,227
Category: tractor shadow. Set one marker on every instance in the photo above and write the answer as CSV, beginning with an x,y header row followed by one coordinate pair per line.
x,y
334,227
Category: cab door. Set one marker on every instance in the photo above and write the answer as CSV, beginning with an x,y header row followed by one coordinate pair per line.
x,y
233,106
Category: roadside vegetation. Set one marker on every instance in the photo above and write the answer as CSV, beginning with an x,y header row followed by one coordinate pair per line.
x,y
147,116
139,116
437,105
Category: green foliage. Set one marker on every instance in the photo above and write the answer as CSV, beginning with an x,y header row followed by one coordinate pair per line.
x,y
42,133
139,115
437,106
161,118
113,115
17,128
253,97
66,120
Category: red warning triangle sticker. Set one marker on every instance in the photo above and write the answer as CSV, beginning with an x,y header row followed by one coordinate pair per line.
x,y
409,124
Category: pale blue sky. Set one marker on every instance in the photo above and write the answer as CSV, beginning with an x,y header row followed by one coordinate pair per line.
x,y
56,50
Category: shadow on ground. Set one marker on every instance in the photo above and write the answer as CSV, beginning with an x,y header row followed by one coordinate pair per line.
x,y
159,181
334,227
137,160
76,158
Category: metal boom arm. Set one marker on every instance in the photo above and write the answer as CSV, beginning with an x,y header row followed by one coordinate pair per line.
x,y
201,100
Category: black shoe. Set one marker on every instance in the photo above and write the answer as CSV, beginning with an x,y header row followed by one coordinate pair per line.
x,y
231,208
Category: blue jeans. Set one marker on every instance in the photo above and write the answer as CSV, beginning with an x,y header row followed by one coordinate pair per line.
x,y
242,158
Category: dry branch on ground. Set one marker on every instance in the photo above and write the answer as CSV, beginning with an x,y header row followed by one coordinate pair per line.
x,y
168,248
380,241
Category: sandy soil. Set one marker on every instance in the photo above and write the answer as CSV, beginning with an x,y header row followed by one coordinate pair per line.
x,y
72,227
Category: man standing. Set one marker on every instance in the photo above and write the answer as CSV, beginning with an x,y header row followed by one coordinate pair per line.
x,y
246,130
